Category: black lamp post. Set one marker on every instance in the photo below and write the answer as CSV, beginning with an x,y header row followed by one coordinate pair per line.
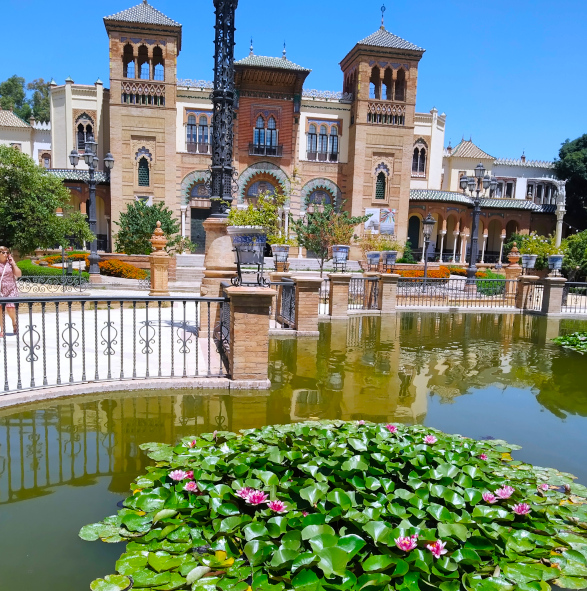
x,y
475,184
92,160
223,99
428,224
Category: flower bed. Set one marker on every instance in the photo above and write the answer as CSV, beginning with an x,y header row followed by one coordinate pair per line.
x,y
114,268
56,258
346,506
576,341
441,273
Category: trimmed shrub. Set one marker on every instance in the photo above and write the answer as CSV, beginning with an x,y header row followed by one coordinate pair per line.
x,y
29,269
115,268
441,273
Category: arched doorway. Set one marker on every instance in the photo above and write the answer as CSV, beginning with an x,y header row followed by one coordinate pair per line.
x,y
511,228
414,232
199,191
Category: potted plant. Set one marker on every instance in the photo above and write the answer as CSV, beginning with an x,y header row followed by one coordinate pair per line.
x,y
529,261
373,258
536,251
280,246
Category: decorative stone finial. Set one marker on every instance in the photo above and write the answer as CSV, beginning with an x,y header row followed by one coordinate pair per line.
x,y
514,255
158,240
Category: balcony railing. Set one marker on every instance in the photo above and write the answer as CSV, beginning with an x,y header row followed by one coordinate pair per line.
x,y
199,148
322,156
262,150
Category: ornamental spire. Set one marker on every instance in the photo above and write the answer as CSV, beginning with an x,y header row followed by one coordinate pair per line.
x,y
251,47
284,51
383,9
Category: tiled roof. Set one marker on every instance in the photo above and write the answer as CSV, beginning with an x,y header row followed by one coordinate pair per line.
x,y
10,119
520,162
70,174
467,149
143,13
279,63
383,38
451,197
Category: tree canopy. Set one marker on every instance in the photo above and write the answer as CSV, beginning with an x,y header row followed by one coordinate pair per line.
x,y
13,95
29,200
572,167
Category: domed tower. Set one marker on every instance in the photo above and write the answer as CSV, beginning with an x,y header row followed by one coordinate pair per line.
x,y
144,45
381,72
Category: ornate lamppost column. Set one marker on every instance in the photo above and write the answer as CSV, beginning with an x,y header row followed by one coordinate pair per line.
x,y
222,170
560,211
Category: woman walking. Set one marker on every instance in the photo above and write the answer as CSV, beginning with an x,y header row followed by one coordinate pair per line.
x,y
9,272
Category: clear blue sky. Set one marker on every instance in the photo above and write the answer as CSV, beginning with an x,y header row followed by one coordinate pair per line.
x,y
511,74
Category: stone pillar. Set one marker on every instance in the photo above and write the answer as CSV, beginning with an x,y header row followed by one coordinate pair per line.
x,y
388,293
338,305
159,261
219,266
512,271
307,304
248,356
553,295
526,285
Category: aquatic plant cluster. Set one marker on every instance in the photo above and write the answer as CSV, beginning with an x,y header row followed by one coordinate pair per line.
x,y
576,341
346,506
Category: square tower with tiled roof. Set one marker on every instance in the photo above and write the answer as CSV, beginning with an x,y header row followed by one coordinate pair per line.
x,y
381,73
144,45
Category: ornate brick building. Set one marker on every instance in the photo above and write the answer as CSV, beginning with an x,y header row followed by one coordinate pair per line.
x,y
364,147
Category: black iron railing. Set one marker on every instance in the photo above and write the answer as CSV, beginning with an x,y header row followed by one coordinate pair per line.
x,y
285,313
222,329
94,339
457,292
325,295
364,293
574,298
262,150
322,156
534,297
51,284
198,148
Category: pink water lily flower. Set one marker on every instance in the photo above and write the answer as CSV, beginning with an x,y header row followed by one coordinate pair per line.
x,y
190,474
483,457
407,544
305,513
489,498
437,548
361,422
257,497
191,487
505,492
430,439
244,492
277,506
178,475
391,428
191,444
521,509
543,486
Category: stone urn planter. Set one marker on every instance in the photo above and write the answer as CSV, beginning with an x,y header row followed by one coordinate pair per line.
x,y
555,262
373,258
249,243
388,258
340,254
529,261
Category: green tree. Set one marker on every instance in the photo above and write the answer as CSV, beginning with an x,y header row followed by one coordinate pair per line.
x,y
575,261
13,96
571,166
29,199
138,223
323,229
39,101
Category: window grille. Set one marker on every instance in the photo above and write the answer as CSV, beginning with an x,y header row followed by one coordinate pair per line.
x,y
380,186
143,172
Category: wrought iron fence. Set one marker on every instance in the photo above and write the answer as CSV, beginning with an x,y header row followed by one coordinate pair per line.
x,y
364,293
324,296
222,328
534,297
574,298
94,339
285,313
40,284
457,292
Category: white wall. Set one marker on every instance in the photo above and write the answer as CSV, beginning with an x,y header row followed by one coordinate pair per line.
x,y
430,125
197,103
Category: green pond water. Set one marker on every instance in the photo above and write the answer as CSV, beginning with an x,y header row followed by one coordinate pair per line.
x,y
68,463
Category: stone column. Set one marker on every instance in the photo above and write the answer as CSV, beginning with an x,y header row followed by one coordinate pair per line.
x,y
338,303
526,285
219,266
248,356
553,295
307,305
159,261
512,271
388,293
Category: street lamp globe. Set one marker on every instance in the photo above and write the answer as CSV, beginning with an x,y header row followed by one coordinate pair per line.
x,y
479,171
109,161
471,183
493,184
486,182
428,224
464,181
74,158
96,161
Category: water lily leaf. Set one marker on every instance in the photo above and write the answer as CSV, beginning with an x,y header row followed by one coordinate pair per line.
x,y
378,563
520,545
312,531
450,586
175,582
473,495
314,493
522,573
269,478
129,563
355,463
372,581
292,540
339,497
455,530
257,551
332,561
254,530
357,444
307,580
574,568
147,578
303,559
440,513
323,541
231,523
378,530
466,556
137,523
534,586
351,544
571,583
479,544
164,514
162,561
282,556
95,531
228,509
149,502
111,583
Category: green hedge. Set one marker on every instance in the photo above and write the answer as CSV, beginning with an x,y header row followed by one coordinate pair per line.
x,y
30,270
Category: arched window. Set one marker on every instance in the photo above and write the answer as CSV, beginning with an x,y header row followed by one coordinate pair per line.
x,y
387,93
203,137
143,63
81,137
375,84
128,60
312,142
192,131
333,152
422,163
400,85
144,172
380,186
415,159
199,191
271,137
320,197
158,64
323,143
259,134
419,159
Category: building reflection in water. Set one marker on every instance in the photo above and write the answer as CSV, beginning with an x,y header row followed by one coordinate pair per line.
x,y
374,368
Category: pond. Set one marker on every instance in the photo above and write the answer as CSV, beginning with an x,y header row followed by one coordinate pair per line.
x,y
68,463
